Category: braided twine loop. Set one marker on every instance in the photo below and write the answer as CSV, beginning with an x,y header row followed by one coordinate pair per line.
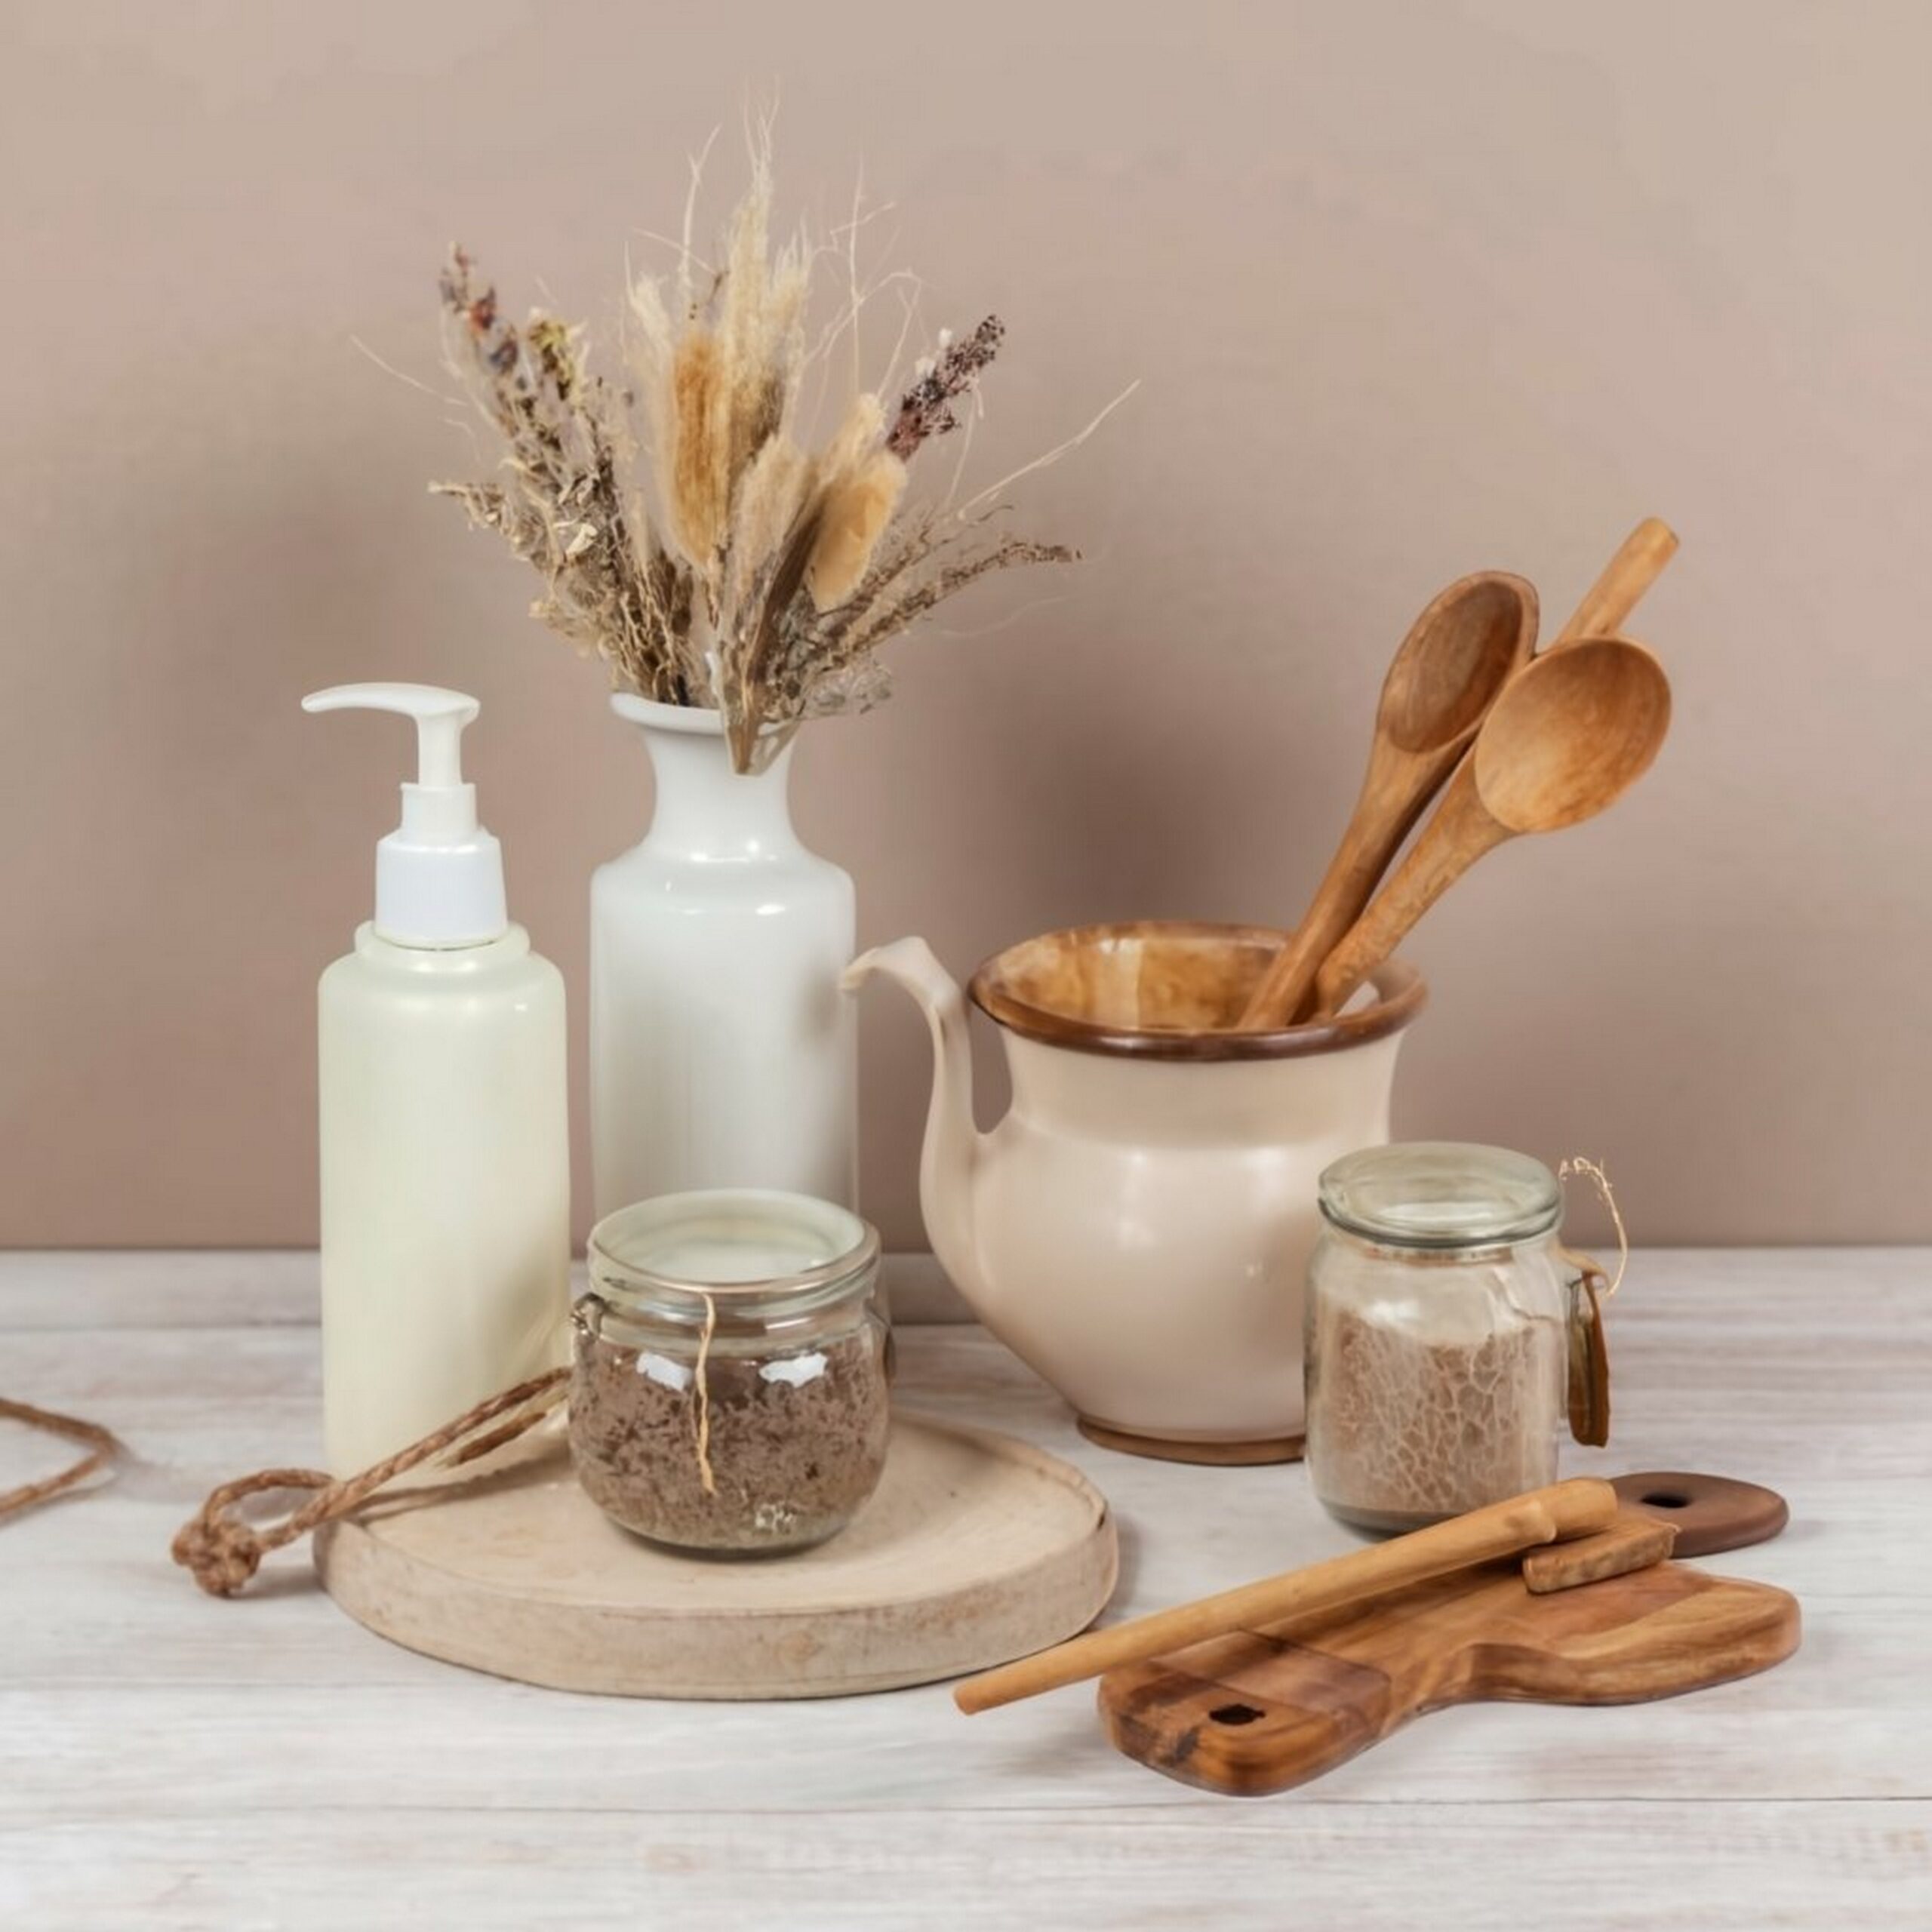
x,y
223,1550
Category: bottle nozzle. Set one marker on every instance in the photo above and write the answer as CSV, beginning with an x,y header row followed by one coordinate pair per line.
x,y
439,875
440,718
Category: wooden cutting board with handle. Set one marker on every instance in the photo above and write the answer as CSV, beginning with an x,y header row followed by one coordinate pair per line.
x,y
1259,1711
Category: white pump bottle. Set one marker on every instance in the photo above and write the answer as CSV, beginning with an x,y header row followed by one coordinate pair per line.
x,y
445,1148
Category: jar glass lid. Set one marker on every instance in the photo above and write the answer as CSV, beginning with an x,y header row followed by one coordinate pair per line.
x,y
729,1242
1441,1194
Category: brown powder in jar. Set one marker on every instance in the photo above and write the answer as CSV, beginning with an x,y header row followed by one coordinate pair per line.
x,y
1412,1430
795,1443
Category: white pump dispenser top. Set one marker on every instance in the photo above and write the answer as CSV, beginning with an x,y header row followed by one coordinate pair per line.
x,y
439,875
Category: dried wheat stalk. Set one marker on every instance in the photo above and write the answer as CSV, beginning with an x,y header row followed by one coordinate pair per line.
x,y
757,576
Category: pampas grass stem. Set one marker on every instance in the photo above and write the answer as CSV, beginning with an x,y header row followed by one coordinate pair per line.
x,y
684,528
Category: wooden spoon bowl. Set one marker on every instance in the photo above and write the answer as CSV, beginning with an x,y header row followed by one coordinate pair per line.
x,y
1457,656
1571,735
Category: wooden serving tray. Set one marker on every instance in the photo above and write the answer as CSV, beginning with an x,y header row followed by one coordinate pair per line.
x,y
1261,1710
975,1549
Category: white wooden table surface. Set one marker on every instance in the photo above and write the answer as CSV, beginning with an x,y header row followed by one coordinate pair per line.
x,y
167,1760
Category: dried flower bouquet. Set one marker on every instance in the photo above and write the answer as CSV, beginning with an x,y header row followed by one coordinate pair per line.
x,y
733,566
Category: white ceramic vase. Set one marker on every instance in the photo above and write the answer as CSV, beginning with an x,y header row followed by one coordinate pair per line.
x,y
721,1054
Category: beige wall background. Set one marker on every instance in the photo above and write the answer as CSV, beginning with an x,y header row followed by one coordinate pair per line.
x,y
1411,289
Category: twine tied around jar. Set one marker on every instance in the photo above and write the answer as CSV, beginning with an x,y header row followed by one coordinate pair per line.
x,y
102,1449
705,1473
222,1551
591,1324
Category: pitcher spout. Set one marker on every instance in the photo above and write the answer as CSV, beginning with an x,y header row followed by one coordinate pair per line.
x,y
948,1162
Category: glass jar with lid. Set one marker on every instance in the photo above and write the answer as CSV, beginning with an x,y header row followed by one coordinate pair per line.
x,y
729,1390
1442,1311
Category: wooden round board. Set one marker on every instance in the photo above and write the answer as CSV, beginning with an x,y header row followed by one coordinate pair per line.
x,y
974,1549
1709,1513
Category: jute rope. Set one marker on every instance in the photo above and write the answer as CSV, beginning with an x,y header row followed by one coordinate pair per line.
x,y
102,1450
1579,1164
223,1551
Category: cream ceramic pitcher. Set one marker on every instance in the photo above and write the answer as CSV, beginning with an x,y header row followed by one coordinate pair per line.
x,y
1137,1228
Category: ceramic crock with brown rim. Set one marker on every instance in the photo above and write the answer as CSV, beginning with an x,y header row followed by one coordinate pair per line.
x,y
1137,1228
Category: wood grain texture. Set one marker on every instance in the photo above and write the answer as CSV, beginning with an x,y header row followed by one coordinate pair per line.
x,y
168,1762
1580,1506
1632,1542
974,1548
1707,1513
1264,1710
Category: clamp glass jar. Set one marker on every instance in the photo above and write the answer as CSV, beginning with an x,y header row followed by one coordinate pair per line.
x,y
729,1391
1441,1312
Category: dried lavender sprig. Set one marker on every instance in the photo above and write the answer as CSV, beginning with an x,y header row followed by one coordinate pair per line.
x,y
926,409
564,512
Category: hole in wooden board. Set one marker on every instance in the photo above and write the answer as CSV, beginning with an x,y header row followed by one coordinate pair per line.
x,y
1667,1499
1234,1714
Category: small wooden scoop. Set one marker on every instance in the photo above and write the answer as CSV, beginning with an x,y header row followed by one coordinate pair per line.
x,y
1581,1507
1458,654
1571,735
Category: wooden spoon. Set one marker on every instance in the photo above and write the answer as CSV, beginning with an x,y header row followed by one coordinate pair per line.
x,y
1575,730
1458,654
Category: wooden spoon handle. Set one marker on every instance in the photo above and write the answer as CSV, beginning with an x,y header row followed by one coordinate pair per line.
x,y
1580,1507
1394,794
1638,565
1470,639
1452,842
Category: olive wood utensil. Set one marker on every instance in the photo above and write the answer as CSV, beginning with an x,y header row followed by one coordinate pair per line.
x,y
1580,1507
1574,730
1458,655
